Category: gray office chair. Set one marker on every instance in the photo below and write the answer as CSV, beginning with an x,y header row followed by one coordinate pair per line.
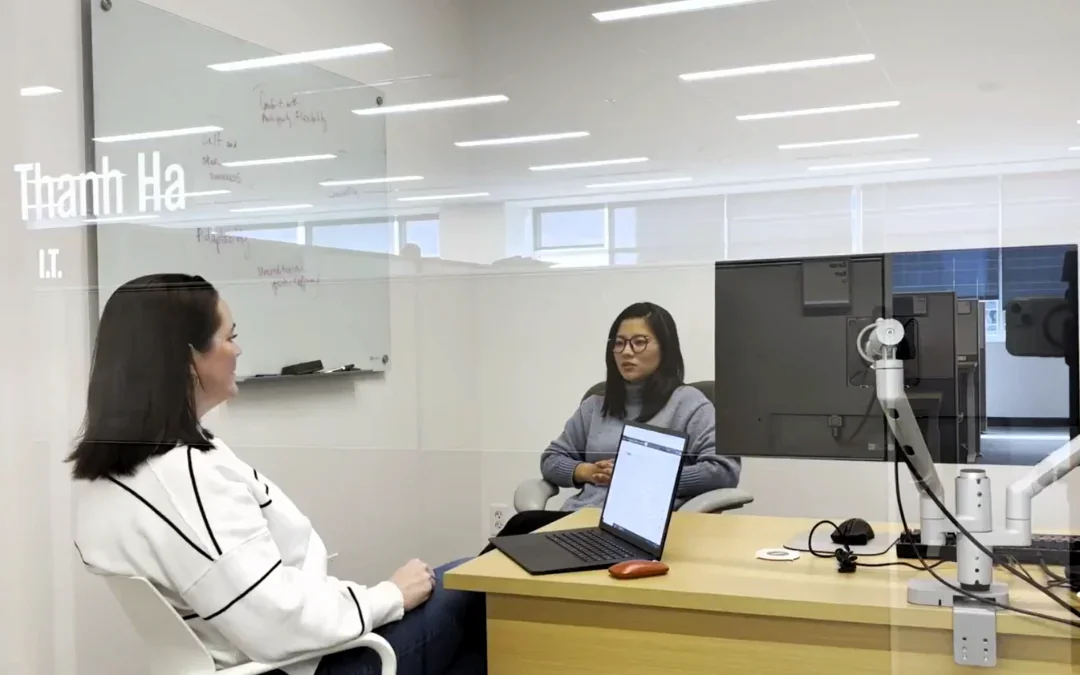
x,y
533,495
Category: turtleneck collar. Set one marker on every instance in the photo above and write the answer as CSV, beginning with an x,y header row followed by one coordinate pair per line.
x,y
634,392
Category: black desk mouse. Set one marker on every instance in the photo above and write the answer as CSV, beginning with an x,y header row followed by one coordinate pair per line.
x,y
853,532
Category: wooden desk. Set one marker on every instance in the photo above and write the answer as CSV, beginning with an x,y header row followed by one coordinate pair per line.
x,y
722,611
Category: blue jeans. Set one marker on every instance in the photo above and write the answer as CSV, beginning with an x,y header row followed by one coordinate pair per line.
x,y
447,635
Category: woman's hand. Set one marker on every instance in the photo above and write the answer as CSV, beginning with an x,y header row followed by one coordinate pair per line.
x,y
416,581
597,474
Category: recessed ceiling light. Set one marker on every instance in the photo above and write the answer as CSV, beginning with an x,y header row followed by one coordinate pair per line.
x,y
663,8
777,67
166,133
819,111
119,219
278,160
637,183
370,181
38,91
848,141
432,198
260,209
867,165
518,140
1074,148
433,105
585,165
207,193
301,57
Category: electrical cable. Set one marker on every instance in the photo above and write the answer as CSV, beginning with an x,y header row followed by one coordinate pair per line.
x,y
995,558
1054,576
848,559
956,589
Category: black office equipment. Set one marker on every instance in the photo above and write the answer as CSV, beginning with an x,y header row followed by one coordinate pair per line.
x,y
636,515
305,368
853,532
1052,549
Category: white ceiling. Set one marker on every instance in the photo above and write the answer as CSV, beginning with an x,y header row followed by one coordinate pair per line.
x,y
988,84
982,81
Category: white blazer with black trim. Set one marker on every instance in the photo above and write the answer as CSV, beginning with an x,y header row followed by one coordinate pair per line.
x,y
231,552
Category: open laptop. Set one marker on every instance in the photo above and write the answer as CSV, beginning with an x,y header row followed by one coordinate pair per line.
x,y
636,515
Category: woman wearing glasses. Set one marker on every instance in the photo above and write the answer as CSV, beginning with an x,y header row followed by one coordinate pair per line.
x,y
644,383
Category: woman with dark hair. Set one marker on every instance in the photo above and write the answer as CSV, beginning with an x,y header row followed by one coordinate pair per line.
x,y
645,375
158,496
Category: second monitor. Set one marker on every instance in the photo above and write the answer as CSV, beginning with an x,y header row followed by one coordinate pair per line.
x,y
790,381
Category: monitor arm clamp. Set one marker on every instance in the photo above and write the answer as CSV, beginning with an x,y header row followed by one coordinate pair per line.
x,y
974,623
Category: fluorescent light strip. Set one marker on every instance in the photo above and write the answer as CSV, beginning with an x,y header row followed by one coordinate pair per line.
x,y
371,181
1074,148
119,219
261,209
431,198
278,160
207,193
301,57
433,105
777,67
848,141
663,8
585,165
867,165
167,133
518,140
636,183
42,90
819,111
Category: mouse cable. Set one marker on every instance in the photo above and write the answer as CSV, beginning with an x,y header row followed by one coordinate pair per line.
x,y
953,587
848,560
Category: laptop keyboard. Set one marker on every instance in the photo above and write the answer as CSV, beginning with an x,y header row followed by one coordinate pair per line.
x,y
590,546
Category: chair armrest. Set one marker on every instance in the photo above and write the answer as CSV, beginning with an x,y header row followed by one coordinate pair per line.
x,y
716,501
370,641
533,495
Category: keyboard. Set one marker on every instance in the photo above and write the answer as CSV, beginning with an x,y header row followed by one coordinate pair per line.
x,y
1053,549
591,545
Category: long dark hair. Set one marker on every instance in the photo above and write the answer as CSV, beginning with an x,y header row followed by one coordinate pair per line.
x,y
663,382
141,398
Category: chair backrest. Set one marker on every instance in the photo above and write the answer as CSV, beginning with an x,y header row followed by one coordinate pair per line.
x,y
707,387
171,646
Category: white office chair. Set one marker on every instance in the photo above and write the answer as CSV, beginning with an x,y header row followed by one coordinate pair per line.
x,y
175,650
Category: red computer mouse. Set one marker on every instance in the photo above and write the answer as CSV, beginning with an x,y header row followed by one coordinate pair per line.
x,y
637,569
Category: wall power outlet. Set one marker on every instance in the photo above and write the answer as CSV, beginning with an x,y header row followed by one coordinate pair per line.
x,y
500,513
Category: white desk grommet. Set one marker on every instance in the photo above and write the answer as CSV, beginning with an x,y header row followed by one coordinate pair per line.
x,y
779,554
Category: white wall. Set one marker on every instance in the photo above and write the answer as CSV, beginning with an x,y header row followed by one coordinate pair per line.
x,y
46,341
473,233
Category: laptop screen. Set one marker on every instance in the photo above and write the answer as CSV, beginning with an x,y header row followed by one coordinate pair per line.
x,y
642,487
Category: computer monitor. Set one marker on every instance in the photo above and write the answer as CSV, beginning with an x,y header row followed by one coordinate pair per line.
x,y
790,381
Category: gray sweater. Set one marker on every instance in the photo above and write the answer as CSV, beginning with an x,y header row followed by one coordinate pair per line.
x,y
591,437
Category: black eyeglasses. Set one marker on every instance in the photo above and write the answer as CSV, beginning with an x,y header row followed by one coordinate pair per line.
x,y
638,343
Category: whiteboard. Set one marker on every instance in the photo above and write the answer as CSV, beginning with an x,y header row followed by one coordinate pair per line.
x,y
292,302
151,73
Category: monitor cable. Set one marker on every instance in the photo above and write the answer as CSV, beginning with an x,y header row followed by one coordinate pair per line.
x,y
997,559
